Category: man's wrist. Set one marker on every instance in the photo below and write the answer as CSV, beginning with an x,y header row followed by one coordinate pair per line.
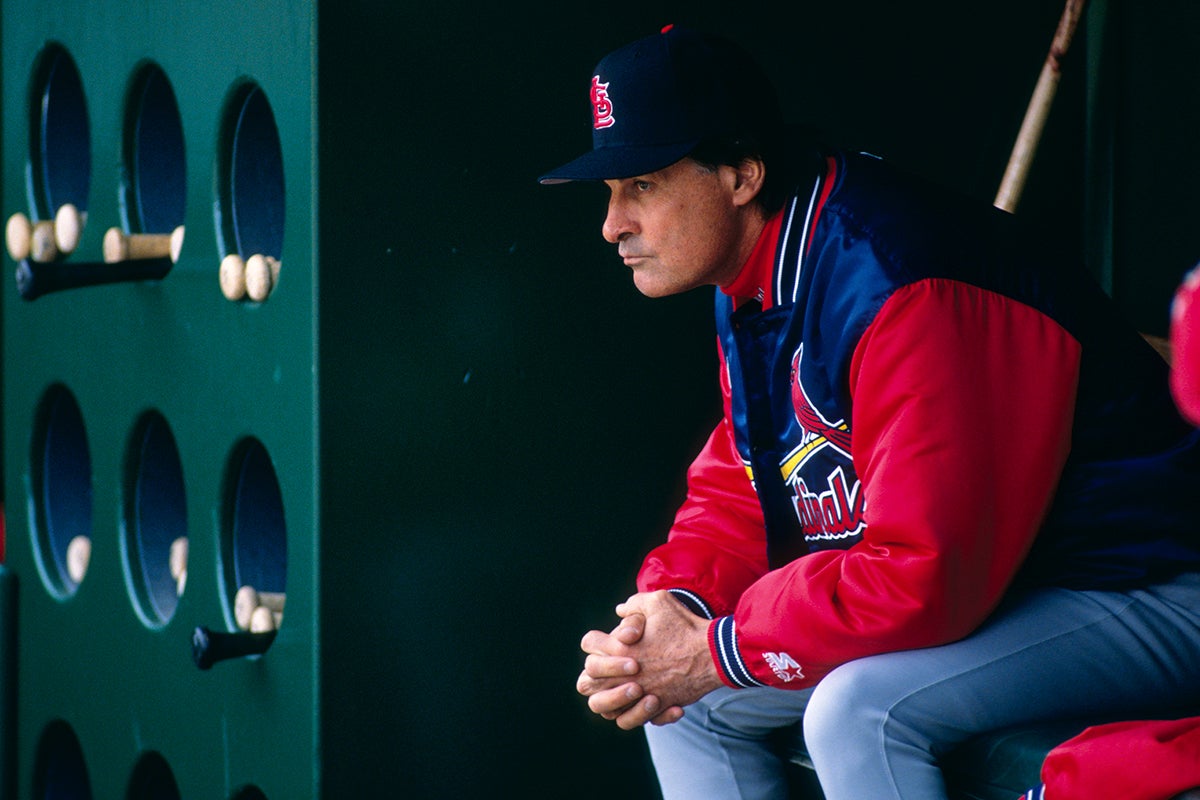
x,y
692,602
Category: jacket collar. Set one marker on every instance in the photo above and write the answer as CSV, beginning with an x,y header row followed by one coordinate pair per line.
x,y
772,273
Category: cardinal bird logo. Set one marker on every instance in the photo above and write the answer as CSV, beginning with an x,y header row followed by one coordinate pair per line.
x,y
834,511
818,431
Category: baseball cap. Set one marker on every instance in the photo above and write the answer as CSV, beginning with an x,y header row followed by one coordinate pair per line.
x,y
654,100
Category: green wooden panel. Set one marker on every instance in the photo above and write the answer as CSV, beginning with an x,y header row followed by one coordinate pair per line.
x,y
216,372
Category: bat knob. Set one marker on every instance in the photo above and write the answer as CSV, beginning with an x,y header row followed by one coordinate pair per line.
x,y
26,280
201,652
209,647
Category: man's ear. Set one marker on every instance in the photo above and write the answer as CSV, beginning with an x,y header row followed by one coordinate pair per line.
x,y
751,173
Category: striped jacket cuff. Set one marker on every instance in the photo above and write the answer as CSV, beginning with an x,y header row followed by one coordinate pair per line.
x,y
722,640
693,602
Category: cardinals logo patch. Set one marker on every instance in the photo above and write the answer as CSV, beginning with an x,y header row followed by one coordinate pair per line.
x,y
827,493
602,110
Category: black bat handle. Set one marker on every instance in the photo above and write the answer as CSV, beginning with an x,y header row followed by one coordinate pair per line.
x,y
36,278
209,646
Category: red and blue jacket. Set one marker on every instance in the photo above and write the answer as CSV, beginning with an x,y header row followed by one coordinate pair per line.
x,y
926,403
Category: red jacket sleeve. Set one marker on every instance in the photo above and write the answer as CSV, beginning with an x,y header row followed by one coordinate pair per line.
x,y
1185,347
717,545
962,408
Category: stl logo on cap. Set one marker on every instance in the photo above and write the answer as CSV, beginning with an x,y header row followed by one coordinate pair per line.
x,y
602,116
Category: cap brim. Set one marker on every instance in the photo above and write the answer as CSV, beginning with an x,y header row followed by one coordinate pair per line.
x,y
616,162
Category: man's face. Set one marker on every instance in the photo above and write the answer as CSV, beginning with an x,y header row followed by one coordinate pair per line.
x,y
681,227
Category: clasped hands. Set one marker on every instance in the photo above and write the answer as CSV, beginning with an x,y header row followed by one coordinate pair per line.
x,y
651,665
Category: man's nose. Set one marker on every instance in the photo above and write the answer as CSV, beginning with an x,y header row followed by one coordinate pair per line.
x,y
617,224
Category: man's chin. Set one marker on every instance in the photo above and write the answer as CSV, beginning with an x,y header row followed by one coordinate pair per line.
x,y
652,288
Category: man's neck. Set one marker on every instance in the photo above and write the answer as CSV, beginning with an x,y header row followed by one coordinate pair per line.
x,y
754,279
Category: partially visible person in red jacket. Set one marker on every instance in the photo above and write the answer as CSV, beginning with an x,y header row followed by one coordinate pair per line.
x,y
1148,759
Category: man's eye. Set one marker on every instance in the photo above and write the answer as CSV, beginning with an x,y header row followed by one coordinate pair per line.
x,y
642,186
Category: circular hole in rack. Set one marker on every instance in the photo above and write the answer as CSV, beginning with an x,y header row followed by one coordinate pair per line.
x,y
154,185
250,201
61,485
60,152
254,535
152,779
248,793
59,770
154,522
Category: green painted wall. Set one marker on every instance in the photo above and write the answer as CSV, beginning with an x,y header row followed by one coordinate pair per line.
x,y
216,372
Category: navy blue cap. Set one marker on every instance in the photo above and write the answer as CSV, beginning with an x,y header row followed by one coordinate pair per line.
x,y
657,98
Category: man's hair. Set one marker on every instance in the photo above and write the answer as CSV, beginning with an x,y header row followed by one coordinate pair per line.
x,y
787,160
732,152
788,157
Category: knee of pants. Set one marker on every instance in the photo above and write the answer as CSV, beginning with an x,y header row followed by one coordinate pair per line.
x,y
848,707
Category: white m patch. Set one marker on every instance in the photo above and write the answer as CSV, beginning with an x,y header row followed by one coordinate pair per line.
x,y
784,666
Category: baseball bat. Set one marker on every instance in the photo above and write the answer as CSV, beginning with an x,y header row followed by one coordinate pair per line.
x,y
79,555
177,557
1030,134
68,228
121,246
262,275
264,619
18,236
43,243
232,276
209,647
1025,147
248,599
35,279
44,240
